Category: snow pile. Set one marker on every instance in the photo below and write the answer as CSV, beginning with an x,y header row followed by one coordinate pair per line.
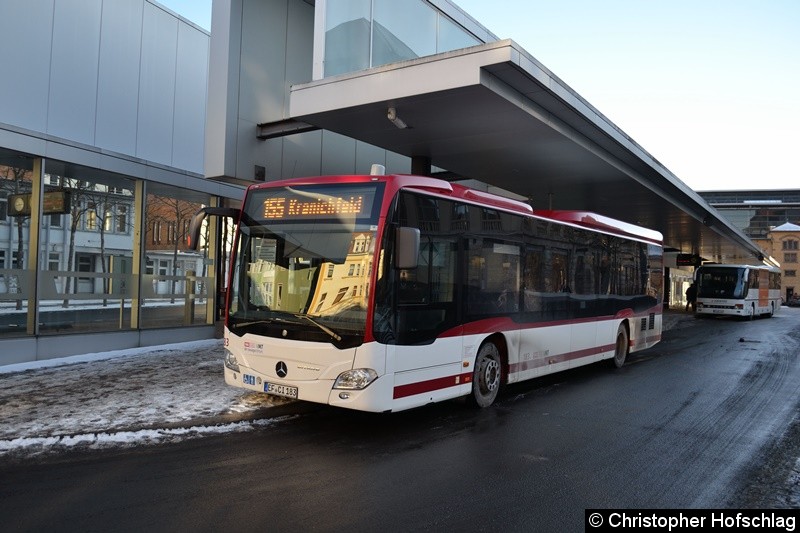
x,y
128,397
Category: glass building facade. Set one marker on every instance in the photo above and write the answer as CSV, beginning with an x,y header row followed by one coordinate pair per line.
x,y
86,251
101,167
756,212
360,34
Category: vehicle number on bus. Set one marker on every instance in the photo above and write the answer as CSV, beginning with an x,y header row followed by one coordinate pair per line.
x,y
281,390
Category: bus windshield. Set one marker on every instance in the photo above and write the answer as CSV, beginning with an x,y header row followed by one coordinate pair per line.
x,y
721,282
303,262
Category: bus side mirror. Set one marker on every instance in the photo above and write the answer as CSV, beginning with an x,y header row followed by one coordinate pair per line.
x,y
406,247
193,236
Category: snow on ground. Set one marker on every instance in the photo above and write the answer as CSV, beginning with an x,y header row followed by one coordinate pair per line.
x,y
127,397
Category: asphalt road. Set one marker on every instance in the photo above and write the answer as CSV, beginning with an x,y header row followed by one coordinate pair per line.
x,y
707,418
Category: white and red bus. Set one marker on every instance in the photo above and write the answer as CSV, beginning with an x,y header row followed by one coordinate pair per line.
x,y
383,293
745,291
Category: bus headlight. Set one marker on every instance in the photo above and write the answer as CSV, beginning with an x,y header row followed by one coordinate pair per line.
x,y
231,362
355,379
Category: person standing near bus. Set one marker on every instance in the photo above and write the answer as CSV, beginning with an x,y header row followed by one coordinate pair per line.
x,y
691,296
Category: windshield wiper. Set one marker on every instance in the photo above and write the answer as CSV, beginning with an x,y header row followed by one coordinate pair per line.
x,y
326,329
273,320
263,321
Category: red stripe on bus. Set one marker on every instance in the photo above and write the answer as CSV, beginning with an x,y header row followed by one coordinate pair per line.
x,y
421,387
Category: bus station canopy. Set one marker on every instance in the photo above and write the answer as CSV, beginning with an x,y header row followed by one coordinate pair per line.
x,y
493,113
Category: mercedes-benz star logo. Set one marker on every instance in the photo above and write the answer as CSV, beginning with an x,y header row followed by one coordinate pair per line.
x,y
281,369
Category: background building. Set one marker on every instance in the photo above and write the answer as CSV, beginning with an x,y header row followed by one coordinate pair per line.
x,y
756,212
102,128
783,243
771,219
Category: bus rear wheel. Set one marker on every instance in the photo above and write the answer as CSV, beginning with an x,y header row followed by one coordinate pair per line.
x,y
487,375
621,346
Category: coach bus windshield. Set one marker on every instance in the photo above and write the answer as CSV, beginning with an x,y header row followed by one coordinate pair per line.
x,y
303,262
721,282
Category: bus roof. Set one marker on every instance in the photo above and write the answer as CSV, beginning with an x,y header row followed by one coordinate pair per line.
x,y
598,222
585,219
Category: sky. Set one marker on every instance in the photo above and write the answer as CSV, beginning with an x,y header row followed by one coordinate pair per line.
x,y
710,88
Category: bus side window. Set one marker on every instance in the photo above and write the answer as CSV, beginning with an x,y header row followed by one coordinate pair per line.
x,y
493,277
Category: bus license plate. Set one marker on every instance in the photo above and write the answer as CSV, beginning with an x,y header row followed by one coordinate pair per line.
x,y
281,390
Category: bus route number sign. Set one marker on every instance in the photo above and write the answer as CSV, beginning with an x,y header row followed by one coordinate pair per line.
x,y
281,208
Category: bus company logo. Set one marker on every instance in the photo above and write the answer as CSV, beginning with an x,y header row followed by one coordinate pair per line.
x,y
253,347
281,369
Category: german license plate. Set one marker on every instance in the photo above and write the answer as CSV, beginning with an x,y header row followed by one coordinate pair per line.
x,y
280,390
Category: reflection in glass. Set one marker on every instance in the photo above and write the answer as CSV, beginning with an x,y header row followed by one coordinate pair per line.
x,y
15,281
304,259
452,37
347,33
402,30
368,33
175,282
85,280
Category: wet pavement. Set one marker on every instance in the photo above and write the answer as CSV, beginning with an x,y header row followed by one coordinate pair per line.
x,y
176,392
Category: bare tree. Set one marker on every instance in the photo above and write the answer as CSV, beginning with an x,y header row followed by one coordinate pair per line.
x,y
80,204
100,202
174,214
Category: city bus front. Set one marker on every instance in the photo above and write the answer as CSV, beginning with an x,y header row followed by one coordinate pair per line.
x,y
299,294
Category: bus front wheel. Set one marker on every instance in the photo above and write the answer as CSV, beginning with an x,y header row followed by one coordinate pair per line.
x,y
487,375
621,346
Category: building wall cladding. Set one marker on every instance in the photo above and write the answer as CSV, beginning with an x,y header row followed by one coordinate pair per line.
x,y
125,76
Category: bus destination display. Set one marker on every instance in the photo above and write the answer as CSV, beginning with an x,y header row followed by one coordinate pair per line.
x,y
332,203
281,208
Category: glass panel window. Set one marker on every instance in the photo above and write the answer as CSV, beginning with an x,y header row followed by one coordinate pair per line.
x,y
790,257
452,37
53,261
85,279
122,219
493,275
176,281
91,217
347,34
15,288
402,30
